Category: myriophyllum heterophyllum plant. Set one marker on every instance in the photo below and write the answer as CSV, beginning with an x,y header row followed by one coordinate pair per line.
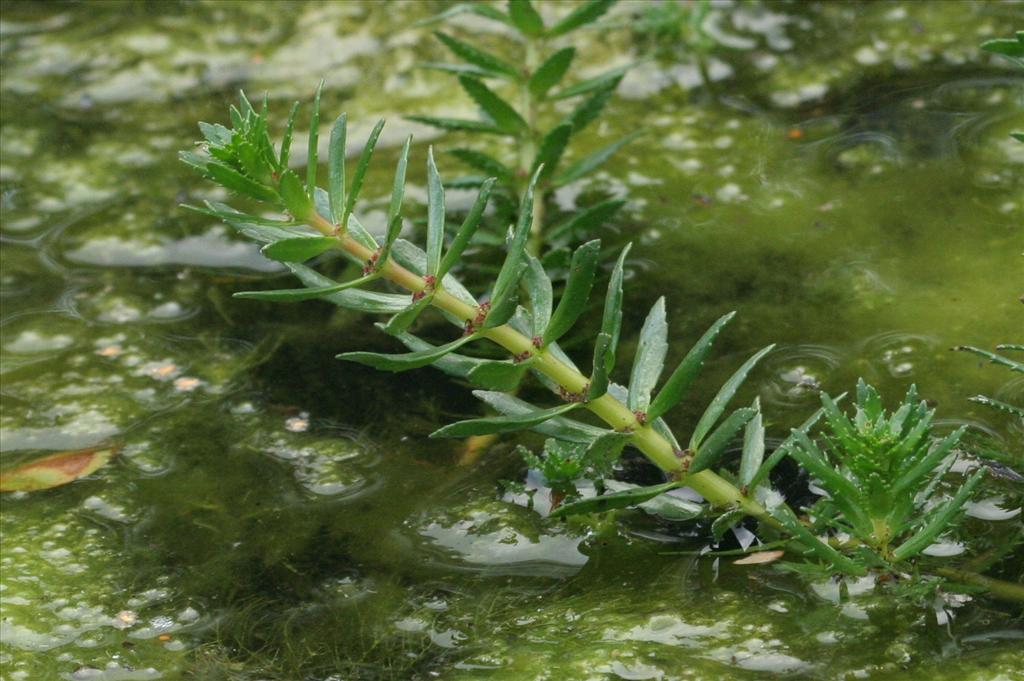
x,y
537,131
319,221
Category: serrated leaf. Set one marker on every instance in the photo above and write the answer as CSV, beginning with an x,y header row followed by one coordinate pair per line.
x,y
468,228
591,162
54,470
299,249
753,447
314,132
435,216
493,106
503,376
551,72
503,299
713,447
726,522
525,17
676,386
785,516
599,82
215,133
939,519
721,400
233,180
538,284
502,424
484,162
552,146
577,291
584,14
294,196
407,360
286,141
336,170
589,109
614,501
361,167
649,359
457,124
587,220
477,57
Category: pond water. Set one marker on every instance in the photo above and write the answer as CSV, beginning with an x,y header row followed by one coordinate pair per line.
x,y
851,190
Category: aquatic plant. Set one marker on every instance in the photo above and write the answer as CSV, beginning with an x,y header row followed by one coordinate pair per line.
x,y
1002,360
535,81
882,467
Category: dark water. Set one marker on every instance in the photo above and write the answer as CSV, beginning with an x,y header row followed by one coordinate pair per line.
x,y
851,190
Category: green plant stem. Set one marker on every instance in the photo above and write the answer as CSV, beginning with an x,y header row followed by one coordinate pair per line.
x,y
716,490
1007,591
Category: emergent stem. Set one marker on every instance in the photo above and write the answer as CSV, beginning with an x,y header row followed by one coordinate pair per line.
x,y
716,490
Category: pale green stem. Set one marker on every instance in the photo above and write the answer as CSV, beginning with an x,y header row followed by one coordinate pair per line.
x,y
718,491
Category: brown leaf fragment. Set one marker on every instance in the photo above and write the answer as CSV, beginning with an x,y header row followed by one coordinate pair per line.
x,y
760,558
54,470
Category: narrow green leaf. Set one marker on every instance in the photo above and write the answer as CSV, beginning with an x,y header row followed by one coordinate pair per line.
x,y
457,69
502,424
525,17
294,196
606,450
598,384
611,320
538,284
401,321
1005,46
467,229
560,427
435,216
286,141
725,393
650,358
614,501
314,132
478,57
336,170
457,124
928,463
939,520
484,162
590,108
587,220
599,82
592,161
551,72
552,146
753,447
726,522
1006,407
237,216
407,360
503,297
493,106
780,452
714,446
236,182
299,249
1011,364
504,376
842,491
586,13
360,234
360,174
370,302
784,515
577,291
295,295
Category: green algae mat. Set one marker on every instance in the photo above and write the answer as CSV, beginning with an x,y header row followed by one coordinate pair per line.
x,y
839,173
